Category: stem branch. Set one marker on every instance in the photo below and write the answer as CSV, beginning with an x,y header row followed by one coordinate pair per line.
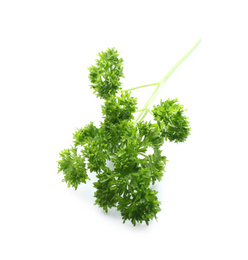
x,y
124,90
145,109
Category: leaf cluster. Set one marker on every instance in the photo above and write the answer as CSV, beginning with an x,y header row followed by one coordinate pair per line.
x,y
117,150
105,76
171,120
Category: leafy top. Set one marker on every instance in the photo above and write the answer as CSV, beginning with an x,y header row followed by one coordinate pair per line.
x,y
105,76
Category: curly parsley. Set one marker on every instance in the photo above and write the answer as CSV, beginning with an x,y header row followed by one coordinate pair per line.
x,y
124,141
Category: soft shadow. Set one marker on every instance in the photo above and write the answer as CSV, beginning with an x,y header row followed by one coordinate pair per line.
x,y
114,215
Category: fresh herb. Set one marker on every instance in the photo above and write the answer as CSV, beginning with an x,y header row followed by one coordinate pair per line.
x,y
123,142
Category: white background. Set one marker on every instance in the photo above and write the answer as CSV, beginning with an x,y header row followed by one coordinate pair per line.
x,y
45,49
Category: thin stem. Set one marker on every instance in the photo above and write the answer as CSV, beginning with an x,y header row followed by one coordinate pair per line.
x,y
150,111
180,61
143,154
143,86
145,109
140,110
144,114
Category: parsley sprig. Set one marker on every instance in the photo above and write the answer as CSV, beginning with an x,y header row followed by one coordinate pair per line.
x,y
117,150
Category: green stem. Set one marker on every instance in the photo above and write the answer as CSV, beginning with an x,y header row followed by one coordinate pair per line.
x,y
124,90
145,109
139,110
143,154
